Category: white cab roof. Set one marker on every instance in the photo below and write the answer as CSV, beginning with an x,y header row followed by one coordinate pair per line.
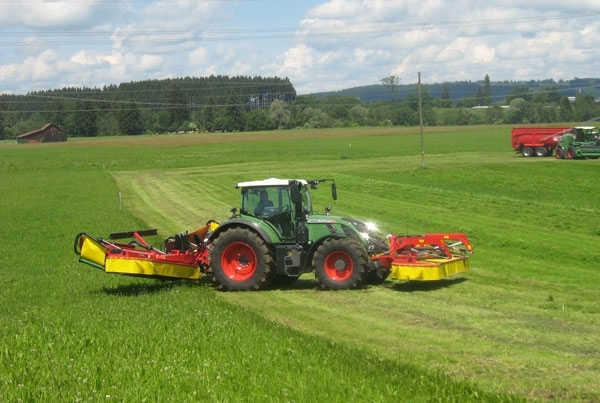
x,y
268,182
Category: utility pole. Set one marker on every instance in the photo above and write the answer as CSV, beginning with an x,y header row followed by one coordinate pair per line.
x,y
421,124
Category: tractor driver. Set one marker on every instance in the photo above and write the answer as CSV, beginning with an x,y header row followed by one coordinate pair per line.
x,y
263,203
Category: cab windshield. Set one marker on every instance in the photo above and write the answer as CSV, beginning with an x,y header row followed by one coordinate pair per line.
x,y
266,201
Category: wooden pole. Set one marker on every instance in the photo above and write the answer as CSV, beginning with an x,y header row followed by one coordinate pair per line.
x,y
421,124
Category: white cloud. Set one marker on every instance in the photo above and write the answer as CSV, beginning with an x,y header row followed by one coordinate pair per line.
x,y
329,45
51,14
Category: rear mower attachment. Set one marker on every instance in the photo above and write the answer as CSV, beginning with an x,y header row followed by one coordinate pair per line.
x,y
183,257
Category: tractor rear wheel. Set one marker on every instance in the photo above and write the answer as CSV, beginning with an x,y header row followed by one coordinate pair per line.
x,y
241,261
340,264
571,153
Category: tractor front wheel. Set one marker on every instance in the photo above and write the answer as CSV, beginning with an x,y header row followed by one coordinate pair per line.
x,y
559,154
340,264
241,260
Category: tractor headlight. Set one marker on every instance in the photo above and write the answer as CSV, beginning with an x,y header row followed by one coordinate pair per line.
x,y
371,228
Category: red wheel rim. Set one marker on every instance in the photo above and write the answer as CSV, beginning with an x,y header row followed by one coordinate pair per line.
x,y
238,261
338,266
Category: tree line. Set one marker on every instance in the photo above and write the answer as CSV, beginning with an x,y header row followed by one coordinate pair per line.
x,y
226,104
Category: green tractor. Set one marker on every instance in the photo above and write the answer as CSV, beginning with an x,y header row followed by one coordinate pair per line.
x,y
276,237
581,142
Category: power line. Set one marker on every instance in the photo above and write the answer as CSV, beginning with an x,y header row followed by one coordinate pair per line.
x,y
209,35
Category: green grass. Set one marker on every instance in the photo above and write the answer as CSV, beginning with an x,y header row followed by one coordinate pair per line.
x,y
522,324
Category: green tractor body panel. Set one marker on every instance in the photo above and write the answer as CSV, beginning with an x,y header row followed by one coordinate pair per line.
x,y
581,142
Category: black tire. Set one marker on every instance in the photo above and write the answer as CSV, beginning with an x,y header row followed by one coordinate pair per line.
x,y
541,152
571,153
377,275
559,154
527,151
241,261
341,264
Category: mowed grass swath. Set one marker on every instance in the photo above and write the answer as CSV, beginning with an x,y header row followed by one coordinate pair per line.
x,y
522,324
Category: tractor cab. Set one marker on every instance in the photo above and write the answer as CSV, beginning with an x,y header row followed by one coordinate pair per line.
x,y
280,202
585,134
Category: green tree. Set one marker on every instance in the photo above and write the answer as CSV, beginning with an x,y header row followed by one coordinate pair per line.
x,y
427,105
84,120
519,111
494,114
479,98
258,119
54,112
279,114
2,126
446,99
358,114
108,124
547,95
585,107
487,91
209,114
178,105
161,122
519,92
235,113
391,85
565,110
130,119
316,118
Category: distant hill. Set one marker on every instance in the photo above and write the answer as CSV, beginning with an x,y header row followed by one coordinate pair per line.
x,y
464,89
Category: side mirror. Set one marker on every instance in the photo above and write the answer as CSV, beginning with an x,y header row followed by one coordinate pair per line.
x,y
333,191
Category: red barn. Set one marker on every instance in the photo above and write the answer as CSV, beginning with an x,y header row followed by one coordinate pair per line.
x,y
47,134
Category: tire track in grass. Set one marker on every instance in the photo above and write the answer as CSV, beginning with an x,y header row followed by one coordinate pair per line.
x,y
173,201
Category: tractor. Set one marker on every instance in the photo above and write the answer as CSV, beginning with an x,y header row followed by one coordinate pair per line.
x,y
275,237
581,142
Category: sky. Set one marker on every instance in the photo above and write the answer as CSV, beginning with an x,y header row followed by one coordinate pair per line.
x,y
318,45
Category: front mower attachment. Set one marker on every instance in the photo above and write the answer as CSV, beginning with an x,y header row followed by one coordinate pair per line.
x,y
426,257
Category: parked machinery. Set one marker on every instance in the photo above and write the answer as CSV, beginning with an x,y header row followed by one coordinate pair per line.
x,y
580,142
536,141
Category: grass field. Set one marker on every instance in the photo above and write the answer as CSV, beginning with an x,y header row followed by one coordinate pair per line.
x,y
523,324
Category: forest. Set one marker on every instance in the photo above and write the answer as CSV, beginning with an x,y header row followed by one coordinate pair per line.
x,y
238,104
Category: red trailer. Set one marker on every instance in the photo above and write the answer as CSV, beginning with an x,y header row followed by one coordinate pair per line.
x,y
538,141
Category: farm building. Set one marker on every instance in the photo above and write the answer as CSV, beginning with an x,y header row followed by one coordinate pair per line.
x,y
47,134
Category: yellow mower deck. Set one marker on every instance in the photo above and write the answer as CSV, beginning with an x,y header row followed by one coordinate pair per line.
x,y
94,252
429,269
